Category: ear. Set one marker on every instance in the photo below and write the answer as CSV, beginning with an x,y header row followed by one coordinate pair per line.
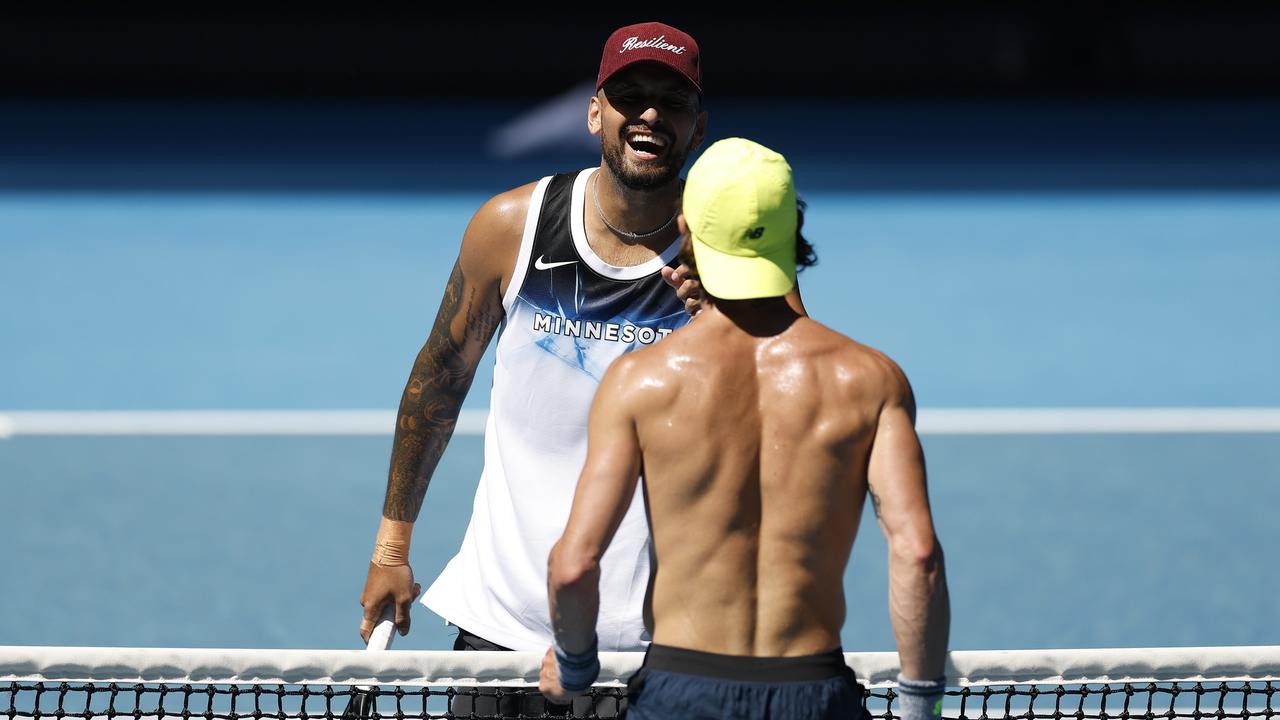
x,y
699,130
593,115
684,226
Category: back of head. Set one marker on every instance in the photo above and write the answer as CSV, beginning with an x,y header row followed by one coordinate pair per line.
x,y
740,208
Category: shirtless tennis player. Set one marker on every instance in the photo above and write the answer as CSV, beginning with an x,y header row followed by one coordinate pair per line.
x,y
759,432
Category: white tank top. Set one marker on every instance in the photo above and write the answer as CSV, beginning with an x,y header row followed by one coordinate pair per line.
x,y
568,316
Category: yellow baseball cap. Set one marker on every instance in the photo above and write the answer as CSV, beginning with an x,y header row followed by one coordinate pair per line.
x,y
740,207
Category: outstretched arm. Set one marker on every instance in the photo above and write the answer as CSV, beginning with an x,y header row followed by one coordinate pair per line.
x,y
605,490
469,313
918,603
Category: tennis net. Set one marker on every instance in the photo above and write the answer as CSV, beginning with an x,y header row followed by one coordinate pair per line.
x,y
119,683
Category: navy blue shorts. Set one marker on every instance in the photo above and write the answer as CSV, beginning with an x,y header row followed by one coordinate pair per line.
x,y
675,683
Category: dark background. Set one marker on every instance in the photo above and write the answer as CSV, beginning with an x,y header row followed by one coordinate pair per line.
x,y
392,98
393,50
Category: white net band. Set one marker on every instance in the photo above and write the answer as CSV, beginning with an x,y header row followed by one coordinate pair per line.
x,y
497,669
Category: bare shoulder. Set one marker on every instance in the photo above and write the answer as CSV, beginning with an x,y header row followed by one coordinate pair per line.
x,y
644,376
633,366
895,386
865,370
500,219
492,238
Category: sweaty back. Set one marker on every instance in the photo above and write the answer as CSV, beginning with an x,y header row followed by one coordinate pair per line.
x,y
755,450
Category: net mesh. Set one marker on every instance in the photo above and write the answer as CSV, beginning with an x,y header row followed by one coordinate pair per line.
x,y
1192,683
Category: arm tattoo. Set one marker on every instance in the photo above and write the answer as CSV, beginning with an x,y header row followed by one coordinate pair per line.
x,y
433,396
875,500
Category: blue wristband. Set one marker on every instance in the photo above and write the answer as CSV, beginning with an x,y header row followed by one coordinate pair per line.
x,y
921,699
578,672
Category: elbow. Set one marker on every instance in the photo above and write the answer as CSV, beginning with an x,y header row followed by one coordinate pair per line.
x,y
920,550
571,568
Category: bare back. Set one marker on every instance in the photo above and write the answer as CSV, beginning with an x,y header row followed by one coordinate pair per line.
x,y
754,450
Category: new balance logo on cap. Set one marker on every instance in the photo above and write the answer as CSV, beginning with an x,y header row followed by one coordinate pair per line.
x,y
734,185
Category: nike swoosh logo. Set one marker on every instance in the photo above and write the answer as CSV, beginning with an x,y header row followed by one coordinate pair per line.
x,y
544,265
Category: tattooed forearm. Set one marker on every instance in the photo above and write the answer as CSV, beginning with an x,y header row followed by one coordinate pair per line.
x,y
433,396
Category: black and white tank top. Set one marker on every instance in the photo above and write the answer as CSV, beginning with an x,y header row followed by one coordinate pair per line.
x,y
569,314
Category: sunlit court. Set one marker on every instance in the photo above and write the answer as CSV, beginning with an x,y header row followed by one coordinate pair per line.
x,y
216,274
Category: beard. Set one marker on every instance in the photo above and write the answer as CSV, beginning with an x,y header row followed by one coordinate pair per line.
x,y
647,178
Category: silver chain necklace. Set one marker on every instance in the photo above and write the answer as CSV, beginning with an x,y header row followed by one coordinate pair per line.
x,y
595,196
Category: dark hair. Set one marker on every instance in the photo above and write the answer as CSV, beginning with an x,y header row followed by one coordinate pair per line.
x,y
806,257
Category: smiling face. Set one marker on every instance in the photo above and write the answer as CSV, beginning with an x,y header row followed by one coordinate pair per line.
x,y
648,119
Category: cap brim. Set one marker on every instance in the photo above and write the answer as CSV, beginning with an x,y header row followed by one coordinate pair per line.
x,y
736,277
654,61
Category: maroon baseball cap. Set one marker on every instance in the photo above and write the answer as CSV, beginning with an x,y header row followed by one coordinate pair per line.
x,y
651,42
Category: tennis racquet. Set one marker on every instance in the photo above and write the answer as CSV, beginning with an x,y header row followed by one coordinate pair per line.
x,y
363,697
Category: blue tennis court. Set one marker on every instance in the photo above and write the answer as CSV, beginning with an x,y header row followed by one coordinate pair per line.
x,y
141,298
1067,541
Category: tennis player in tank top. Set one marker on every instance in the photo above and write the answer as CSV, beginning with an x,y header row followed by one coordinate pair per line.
x,y
571,272
759,433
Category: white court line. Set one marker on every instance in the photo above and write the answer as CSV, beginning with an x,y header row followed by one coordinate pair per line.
x,y
951,421
217,422
1058,421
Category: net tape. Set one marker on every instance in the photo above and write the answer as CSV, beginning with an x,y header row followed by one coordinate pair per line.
x,y
90,683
